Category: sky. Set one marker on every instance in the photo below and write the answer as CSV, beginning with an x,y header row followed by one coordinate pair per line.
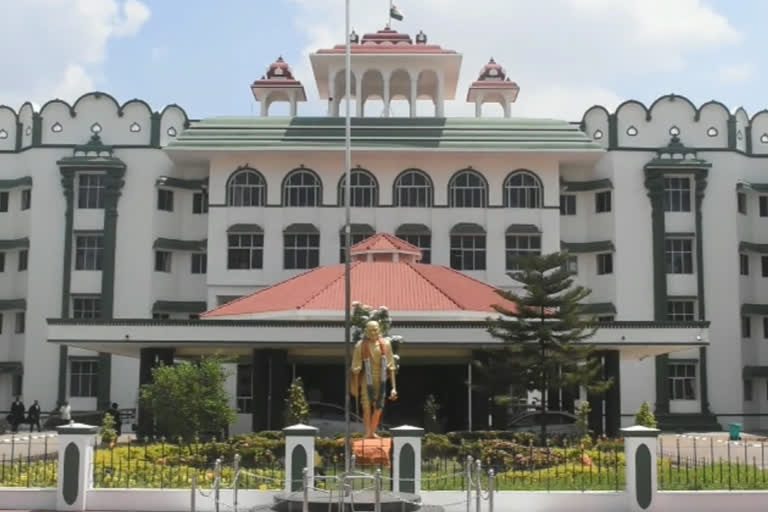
x,y
566,55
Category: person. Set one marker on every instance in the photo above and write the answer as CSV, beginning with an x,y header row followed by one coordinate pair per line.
x,y
17,414
66,412
34,416
372,360
115,413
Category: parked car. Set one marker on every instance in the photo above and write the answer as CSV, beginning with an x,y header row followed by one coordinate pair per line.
x,y
557,422
329,419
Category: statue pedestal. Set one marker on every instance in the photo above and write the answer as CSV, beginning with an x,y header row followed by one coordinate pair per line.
x,y
372,452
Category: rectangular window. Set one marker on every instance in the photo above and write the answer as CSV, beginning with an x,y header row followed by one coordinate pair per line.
x,y
741,202
744,264
680,311
301,250
21,322
23,260
765,327
677,194
573,264
747,390
678,253
26,199
88,308
603,201
567,204
3,202
746,327
162,261
763,206
468,252
90,191
199,263
604,264
764,264
423,242
682,381
89,252
200,202
245,251
160,316
521,245
83,380
16,385
244,388
165,200
2,262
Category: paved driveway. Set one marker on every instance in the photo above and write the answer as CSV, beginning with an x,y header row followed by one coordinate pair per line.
x,y
705,447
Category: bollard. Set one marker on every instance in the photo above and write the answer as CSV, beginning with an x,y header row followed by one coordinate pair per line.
x,y
377,492
478,488
216,483
236,465
194,490
640,449
468,479
491,488
305,488
75,468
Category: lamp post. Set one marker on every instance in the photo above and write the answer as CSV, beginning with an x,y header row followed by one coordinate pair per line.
x,y
347,239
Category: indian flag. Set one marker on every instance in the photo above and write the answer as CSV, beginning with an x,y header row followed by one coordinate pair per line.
x,y
396,13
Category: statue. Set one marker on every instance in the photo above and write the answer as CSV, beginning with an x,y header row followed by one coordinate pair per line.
x,y
372,363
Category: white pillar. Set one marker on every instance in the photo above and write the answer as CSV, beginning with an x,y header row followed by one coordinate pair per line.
x,y
75,474
331,94
440,101
385,95
414,93
299,454
264,108
478,107
293,104
469,396
358,97
640,452
506,106
406,459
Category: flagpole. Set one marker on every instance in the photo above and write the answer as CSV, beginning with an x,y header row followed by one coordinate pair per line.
x,y
347,241
389,13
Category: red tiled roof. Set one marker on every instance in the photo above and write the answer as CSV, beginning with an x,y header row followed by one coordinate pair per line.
x,y
384,242
402,286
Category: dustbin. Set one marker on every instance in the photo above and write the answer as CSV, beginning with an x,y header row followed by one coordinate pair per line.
x,y
735,431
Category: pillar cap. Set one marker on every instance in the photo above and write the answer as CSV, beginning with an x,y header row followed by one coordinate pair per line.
x,y
73,428
407,431
300,430
640,431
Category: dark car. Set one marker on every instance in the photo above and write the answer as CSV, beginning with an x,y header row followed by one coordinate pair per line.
x,y
557,422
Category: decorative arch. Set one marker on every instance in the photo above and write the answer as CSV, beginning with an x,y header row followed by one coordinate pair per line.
x,y
413,188
246,187
302,187
364,189
97,95
468,188
710,102
523,189
371,88
673,97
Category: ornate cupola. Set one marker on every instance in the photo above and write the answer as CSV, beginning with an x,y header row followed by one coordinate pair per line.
x,y
384,247
278,85
492,86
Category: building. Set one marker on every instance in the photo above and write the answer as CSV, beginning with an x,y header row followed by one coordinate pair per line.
x,y
120,225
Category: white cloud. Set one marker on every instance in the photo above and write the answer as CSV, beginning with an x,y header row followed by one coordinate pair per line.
x,y
560,52
55,48
736,73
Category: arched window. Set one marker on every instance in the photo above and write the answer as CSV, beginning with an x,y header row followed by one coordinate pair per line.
x,y
302,187
468,247
467,189
413,188
418,235
364,189
522,189
246,187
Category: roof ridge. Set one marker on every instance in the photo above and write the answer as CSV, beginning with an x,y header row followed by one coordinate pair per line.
x,y
454,271
340,276
434,285
257,292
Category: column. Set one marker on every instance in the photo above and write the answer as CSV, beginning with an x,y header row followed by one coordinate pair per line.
x,y
703,385
507,109
358,94
278,387
640,451
406,459
264,108
469,396
149,359
478,107
439,101
596,402
331,94
270,383
259,390
293,104
385,95
68,184
414,94
299,454
613,395
75,471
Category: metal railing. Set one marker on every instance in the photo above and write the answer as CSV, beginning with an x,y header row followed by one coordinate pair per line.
x,y
28,460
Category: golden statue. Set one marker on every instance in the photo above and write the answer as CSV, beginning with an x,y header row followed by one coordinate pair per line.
x,y
372,360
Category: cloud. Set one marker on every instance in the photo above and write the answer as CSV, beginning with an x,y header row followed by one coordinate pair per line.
x,y
736,73
60,53
566,55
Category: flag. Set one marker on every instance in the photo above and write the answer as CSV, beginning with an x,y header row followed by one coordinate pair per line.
x,y
396,13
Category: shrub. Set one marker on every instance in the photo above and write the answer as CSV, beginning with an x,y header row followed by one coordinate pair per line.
x,y
107,430
645,417
296,406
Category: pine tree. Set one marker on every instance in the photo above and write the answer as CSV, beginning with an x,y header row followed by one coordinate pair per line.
x,y
296,405
544,334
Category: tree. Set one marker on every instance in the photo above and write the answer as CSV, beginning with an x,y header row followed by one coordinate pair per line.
x,y
107,430
645,417
544,333
296,406
189,399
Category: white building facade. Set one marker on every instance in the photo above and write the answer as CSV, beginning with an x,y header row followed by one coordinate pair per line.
x,y
111,211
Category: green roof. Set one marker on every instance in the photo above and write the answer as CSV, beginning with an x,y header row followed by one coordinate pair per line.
x,y
374,133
